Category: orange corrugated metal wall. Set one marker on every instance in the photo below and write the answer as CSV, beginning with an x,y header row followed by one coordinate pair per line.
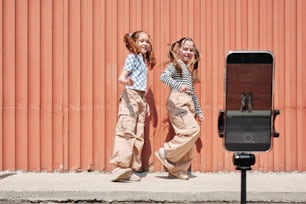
x,y
60,61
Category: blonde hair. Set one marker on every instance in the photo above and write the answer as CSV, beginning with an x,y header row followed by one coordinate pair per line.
x,y
172,55
130,43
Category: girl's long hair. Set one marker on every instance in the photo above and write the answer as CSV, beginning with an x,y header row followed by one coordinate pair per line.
x,y
172,55
130,43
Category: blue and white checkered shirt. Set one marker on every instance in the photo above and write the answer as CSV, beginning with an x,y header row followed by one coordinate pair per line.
x,y
138,70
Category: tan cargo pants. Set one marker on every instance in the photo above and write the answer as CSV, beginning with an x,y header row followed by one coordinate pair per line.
x,y
129,136
182,117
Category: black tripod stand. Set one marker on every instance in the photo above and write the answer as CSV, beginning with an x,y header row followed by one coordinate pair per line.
x,y
243,162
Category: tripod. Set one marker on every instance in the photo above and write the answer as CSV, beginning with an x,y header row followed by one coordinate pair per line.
x,y
243,162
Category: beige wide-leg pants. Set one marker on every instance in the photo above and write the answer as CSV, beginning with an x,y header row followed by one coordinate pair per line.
x,y
182,117
129,136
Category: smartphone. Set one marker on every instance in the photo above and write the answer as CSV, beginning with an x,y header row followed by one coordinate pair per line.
x,y
248,101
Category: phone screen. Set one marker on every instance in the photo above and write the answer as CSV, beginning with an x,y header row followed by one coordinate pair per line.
x,y
249,101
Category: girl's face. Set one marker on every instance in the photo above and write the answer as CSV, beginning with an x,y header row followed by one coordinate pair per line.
x,y
143,43
186,51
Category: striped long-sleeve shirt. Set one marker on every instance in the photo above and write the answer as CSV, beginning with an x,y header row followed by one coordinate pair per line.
x,y
175,80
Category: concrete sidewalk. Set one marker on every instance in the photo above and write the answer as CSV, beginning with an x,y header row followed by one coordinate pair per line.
x,y
154,187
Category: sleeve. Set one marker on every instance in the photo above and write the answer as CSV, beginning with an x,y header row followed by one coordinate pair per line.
x,y
196,105
129,61
167,78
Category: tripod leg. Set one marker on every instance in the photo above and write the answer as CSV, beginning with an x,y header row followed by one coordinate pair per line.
x,y
243,186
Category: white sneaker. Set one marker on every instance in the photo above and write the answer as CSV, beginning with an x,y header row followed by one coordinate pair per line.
x,y
121,174
134,177
161,155
179,175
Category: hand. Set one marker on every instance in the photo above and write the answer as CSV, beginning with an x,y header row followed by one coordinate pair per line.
x,y
183,88
125,79
148,110
201,118
129,81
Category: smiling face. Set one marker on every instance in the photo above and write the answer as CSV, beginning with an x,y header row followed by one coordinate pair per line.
x,y
143,43
186,51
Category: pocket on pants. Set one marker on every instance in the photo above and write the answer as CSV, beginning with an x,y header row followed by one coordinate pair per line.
x,y
128,124
178,120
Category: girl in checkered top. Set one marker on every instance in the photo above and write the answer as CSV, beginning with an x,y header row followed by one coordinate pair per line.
x,y
133,108
182,106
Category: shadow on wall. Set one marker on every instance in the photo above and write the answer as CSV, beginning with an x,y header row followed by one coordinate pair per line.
x,y
151,121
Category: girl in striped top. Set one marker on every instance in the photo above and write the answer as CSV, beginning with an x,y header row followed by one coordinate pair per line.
x,y
182,106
